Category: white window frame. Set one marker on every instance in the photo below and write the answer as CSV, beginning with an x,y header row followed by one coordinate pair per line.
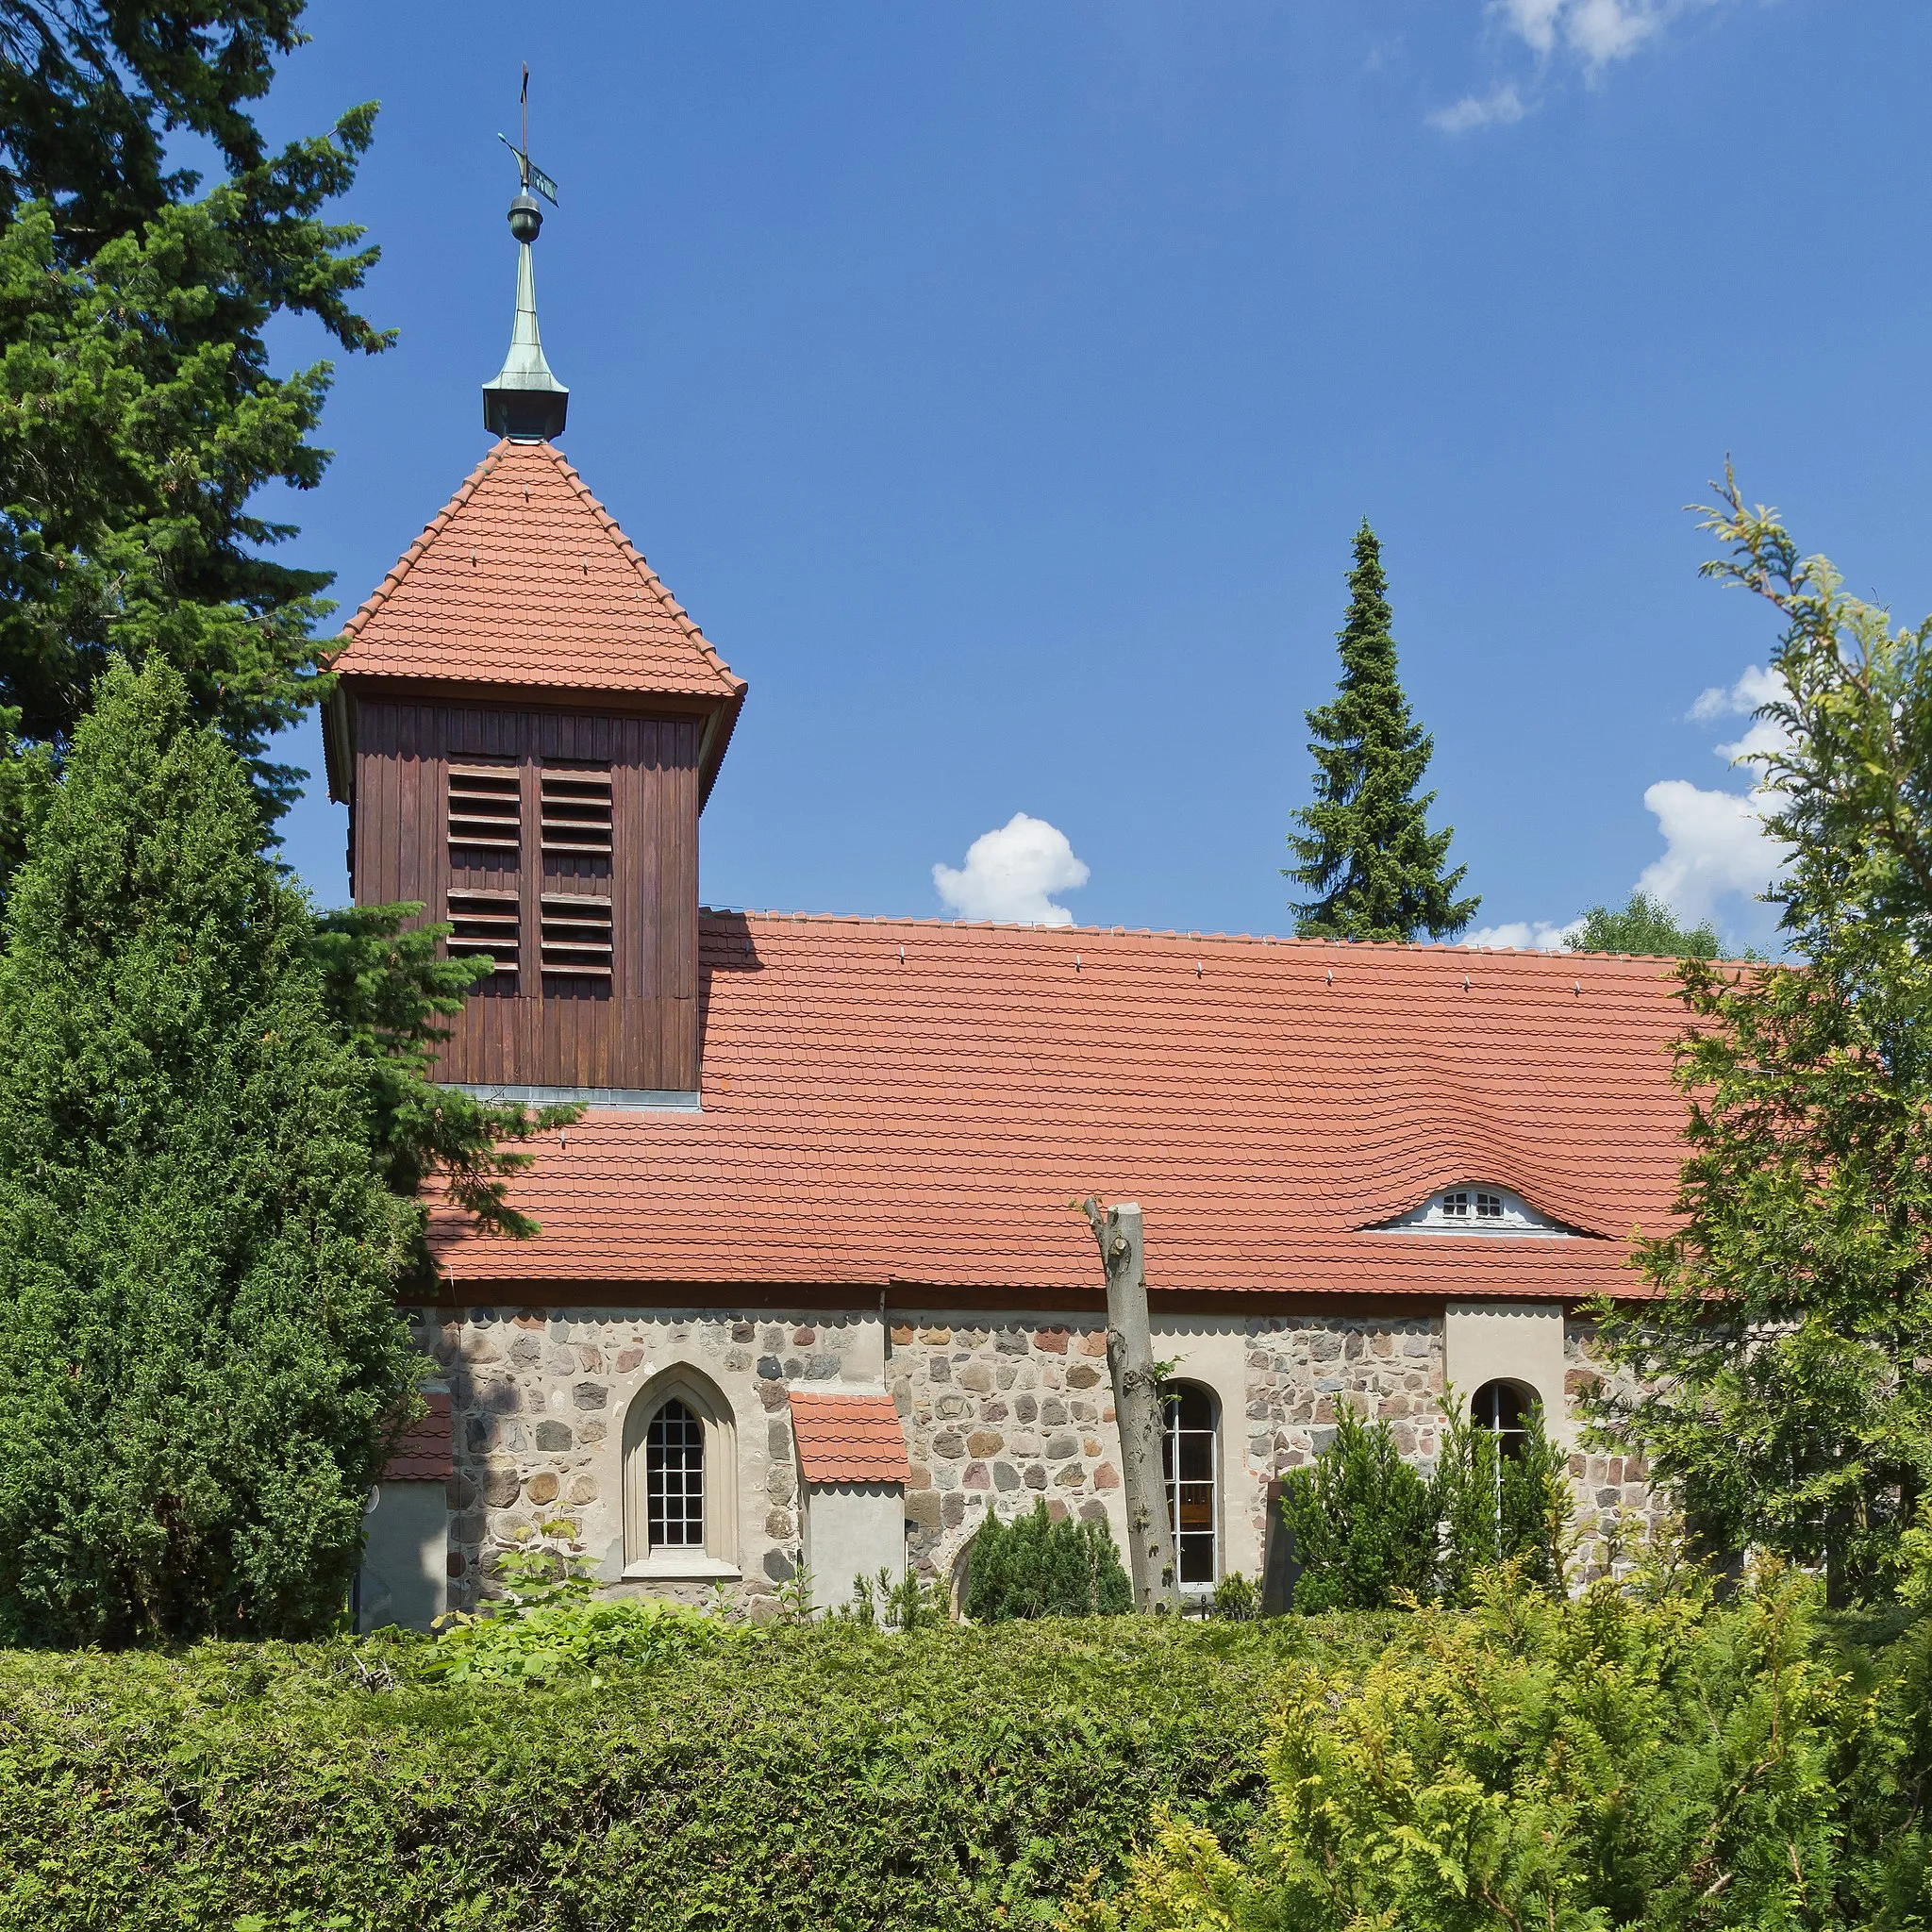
x,y
1171,1483
718,1557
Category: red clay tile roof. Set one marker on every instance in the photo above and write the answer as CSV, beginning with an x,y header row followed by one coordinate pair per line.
x,y
871,1121
424,1454
849,1439
525,580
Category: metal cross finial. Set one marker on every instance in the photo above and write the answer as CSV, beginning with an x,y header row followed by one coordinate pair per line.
x,y
530,175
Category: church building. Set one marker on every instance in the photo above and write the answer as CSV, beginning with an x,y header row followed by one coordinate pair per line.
x,y
811,1289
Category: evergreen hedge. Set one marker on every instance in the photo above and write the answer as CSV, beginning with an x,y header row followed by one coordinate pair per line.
x,y
827,1778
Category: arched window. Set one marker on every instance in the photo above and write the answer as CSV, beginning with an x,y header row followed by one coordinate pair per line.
x,y
675,1478
680,1480
1503,1409
1191,1461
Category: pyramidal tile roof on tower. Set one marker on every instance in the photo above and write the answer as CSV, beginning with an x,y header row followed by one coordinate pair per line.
x,y
912,1106
524,578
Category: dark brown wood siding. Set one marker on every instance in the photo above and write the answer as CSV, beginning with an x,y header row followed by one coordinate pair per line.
x,y
638,1029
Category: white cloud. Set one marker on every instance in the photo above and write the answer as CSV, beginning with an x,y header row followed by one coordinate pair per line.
x,y
1010,872
1597,31
1522,935
1755,689
1499,108
1714,843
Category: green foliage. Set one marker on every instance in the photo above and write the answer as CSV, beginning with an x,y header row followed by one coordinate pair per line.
x,y
1646,926
550,1624
1236,1597
1651,1761
90,89
389,992
1778,1378
1370,1531
200,1356
139,412
1364,1522
951,1781
1035,1566
911,1602
1365,856
1495,1511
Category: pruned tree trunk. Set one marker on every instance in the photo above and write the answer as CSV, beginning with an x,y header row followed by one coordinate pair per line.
x,y
1151,1558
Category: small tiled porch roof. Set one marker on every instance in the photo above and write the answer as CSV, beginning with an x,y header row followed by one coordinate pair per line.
x,y
848,1439
425,1453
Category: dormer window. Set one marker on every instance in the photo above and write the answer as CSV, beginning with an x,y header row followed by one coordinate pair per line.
x,y
1467,1210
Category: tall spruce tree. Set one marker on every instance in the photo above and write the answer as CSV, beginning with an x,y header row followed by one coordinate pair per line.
x,y
201,1361
1366,858
140,415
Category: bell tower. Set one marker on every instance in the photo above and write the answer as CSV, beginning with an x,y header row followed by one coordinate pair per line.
x,y
524,726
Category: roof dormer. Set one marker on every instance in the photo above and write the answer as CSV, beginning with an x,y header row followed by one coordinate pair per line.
x,y
1477,1208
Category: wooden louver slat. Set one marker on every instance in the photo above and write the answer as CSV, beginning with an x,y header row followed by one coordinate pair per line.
x,y
574,808
486,805
575,934
485,922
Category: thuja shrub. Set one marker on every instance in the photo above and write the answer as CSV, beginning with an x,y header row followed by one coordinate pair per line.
x,y
1362,1520
1663,1763
1037,1567
951,1780
1370,1531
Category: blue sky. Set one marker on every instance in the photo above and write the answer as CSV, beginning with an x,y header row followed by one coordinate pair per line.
x,y
1000,387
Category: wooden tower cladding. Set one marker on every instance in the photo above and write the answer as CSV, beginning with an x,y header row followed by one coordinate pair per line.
x,y
526,726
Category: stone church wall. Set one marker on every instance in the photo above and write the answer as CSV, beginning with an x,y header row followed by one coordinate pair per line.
x,y
998,1412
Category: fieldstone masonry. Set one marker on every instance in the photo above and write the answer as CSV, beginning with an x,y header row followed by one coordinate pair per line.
x,y
997,1412
537,1400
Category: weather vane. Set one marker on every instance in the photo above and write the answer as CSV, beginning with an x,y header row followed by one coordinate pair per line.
x,y
533,176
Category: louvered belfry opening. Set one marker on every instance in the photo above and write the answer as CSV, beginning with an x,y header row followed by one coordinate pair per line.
x,y
486,923
576,941
486,807
576,808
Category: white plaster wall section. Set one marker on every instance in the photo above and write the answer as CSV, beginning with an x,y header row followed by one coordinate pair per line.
x,y
404,1575
853,1529
1509,1341
1214,1352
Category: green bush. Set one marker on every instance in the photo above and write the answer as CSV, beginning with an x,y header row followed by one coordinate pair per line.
x,y
823,1778
1369,1530
1493,1510
1651,1761
1035,1566
546,1627
201,1360
1364,1522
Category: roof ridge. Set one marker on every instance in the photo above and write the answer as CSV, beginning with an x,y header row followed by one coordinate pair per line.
x,y
779,916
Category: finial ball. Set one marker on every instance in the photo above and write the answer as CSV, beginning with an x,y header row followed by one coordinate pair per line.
x,y
525,218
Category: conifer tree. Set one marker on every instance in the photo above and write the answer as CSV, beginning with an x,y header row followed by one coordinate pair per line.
x,y
140,412
1366,858
201,1361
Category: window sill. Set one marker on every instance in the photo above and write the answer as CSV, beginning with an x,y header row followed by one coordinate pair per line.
x,y
682,1566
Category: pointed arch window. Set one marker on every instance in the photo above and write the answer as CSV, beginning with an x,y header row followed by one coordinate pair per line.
x,y
675,1478
680,1480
